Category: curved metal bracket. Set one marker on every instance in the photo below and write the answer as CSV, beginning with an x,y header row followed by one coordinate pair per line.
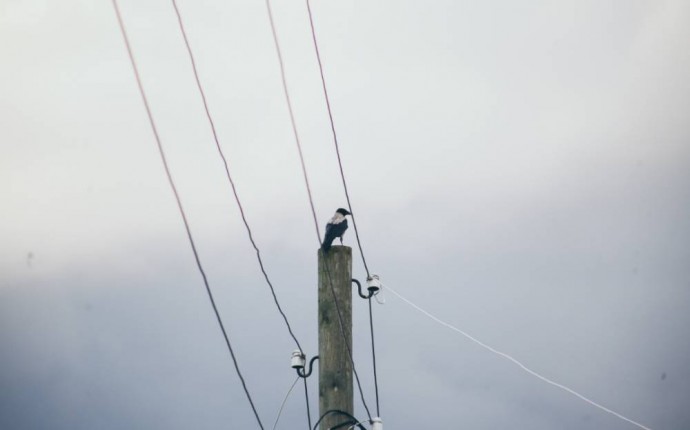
x,y
300,370
359,290
351,423
372,289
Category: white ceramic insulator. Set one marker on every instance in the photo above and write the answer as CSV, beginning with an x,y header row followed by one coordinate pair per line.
x,y
376,424
373,282
298,360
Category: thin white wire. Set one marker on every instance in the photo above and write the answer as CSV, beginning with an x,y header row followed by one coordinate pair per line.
x,y
516,362
280,411
380,300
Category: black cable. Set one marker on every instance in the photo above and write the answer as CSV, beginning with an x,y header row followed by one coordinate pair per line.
x,y
306,181
227,173
179,205
306,394
342,332
292,115
335,137
339,412
373,354
347,194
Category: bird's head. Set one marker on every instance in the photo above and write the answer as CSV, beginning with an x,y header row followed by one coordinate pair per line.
x,y
343,212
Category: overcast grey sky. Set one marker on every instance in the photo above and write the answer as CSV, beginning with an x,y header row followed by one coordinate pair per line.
x,y
521,170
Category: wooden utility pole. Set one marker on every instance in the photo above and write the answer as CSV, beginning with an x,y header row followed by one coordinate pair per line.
x,y
335,367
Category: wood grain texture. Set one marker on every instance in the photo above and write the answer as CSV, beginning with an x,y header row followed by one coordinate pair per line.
x,y
335,368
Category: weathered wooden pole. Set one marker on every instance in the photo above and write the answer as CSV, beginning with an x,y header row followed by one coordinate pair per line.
x,y
335,367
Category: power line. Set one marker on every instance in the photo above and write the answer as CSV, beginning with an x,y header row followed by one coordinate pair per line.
x,y
347,194
179,205
306,395
373,356
239,204
292,115
280,411
311,200
227,172
519,364
342,332
335,138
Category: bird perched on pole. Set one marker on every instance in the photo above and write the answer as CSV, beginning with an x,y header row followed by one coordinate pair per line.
x,y
335,228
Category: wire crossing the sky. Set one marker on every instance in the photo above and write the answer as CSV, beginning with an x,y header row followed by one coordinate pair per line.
x,y
280,411
373,356
306,181
519,364
227,173
179,205
347,194
335,138
292,115
306,395
342,331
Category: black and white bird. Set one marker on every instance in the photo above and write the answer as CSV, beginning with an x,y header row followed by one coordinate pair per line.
x,y
335,228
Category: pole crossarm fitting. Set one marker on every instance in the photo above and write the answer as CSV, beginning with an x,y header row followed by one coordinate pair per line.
x,y
301,372
372,287
298,363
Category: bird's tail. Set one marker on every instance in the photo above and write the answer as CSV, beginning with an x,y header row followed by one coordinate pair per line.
x,y
327,242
